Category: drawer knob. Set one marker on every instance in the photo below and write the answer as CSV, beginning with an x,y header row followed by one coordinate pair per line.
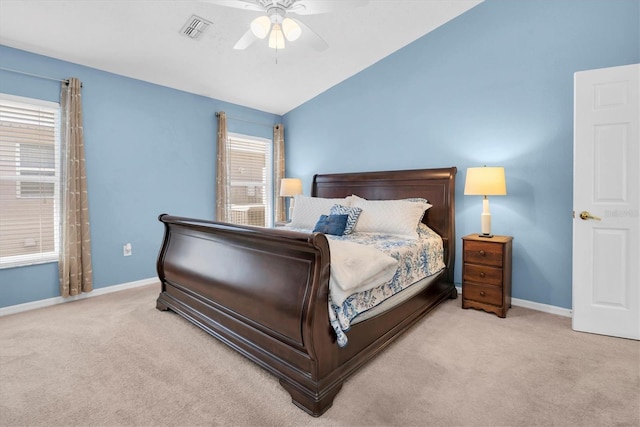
x,y
483,253
482,274
481,293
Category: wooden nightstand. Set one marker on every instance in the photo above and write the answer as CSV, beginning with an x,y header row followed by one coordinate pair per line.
x,y
486,273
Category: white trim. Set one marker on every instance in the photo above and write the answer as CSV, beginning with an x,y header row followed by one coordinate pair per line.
x,y
18,308
21,100
551,309
13,309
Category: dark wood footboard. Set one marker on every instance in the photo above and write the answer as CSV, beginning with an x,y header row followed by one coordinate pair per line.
x,y
264,292
261,291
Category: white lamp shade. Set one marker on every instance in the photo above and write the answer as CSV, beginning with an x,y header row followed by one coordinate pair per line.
x,y
290,187
276,38
485,181
260,26
291,29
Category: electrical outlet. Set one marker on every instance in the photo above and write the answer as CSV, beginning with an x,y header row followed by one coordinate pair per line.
x,y
126,249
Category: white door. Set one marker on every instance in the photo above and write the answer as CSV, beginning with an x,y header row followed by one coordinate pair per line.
x,y
606,283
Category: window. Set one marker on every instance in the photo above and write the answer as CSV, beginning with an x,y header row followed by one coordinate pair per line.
x,y
36,160
250,180
29,181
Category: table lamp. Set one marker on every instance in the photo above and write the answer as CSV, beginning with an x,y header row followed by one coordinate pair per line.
x,y
290,187
485,181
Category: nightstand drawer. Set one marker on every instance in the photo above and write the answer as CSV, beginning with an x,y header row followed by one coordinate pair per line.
x,y
482,274
483,253
483,293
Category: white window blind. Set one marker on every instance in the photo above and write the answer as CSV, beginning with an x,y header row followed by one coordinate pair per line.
x,y
29,181
250,180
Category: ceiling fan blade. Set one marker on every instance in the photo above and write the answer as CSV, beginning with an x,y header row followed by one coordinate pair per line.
x,y
238,4
312,37
314,7
246,40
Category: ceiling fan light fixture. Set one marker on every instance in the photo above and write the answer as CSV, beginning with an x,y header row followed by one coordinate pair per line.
x,y
291,29
260,26
276,38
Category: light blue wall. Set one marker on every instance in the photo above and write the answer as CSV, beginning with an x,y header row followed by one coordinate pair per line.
x,y
149,150
494,87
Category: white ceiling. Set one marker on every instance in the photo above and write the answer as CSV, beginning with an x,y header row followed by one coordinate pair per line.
x,y
141,39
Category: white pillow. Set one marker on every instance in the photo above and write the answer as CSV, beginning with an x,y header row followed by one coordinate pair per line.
x,y
399,217
307,210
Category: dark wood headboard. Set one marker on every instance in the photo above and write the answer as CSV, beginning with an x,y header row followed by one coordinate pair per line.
x,y
435,185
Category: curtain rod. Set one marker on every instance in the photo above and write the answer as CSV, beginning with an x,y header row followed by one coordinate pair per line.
x,y
66,81
246,121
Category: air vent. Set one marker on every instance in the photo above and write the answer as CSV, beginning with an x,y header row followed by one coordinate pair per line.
x,y
194,27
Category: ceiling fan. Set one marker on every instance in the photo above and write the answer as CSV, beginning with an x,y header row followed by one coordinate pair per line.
x,y
278,25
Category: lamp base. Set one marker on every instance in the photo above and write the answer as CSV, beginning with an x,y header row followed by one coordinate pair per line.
x,y
486,236
291,202
485,218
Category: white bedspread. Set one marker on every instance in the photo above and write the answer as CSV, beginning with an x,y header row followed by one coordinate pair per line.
x,y
357,268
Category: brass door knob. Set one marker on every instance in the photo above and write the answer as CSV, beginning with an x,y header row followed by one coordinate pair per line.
x,y
584,215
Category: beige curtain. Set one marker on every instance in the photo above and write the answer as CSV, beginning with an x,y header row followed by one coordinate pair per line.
x,y
74,263
278,172
222,170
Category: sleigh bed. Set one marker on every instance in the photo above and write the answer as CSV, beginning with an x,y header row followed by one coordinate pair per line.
x,y
265,291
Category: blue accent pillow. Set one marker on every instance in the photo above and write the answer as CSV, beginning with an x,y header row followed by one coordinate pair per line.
x,y
331,224
353,212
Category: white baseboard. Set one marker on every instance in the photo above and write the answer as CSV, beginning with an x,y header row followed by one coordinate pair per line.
x,y
12,309
551,309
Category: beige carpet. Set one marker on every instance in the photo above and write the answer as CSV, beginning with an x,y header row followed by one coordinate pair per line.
x,y
115,360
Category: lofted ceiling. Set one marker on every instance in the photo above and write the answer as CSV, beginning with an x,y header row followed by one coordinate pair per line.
x,y
142,39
